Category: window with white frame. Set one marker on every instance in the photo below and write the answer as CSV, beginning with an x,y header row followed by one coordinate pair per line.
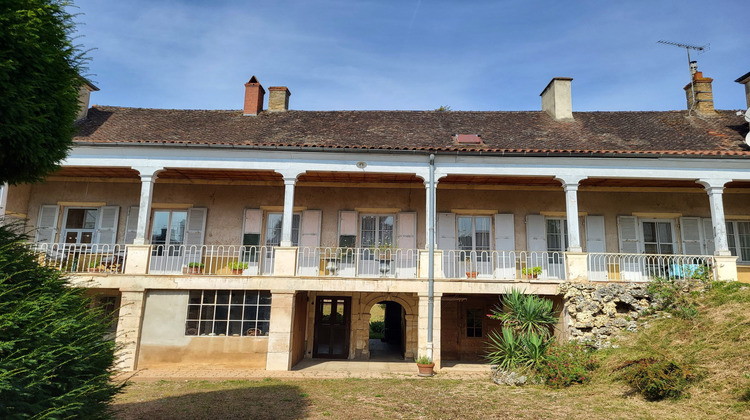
x,y
473,235
557,234
376,230
658,236
274,223
235,313
738,239
80,225
168,231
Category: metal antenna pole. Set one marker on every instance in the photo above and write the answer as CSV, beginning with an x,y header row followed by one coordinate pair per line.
x,y
687,48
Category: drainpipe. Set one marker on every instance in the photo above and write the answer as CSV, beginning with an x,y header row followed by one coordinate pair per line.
x,y
431,257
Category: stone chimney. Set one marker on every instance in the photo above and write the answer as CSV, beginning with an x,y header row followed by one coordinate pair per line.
x,y
745,80
84,96
254,94
701,90
556,99
278,98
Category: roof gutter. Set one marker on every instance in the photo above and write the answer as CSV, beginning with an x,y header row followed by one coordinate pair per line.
x,y
525,153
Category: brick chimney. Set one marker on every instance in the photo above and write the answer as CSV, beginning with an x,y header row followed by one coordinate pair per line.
x,y
84,96
556,99
278,98
702,91
254,94
745,80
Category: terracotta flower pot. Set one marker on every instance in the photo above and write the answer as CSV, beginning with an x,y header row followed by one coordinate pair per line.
x,y
471,274
426,370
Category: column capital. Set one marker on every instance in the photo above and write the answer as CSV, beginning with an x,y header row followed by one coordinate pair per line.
x,y
148,173
570,182
713,185
289,175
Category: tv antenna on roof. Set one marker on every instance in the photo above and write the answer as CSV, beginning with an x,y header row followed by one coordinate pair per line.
x,y
693,65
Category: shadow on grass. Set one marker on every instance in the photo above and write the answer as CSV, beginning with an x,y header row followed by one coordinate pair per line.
x,y
253,401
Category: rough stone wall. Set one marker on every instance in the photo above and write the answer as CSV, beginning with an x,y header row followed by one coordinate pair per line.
x,y
597,312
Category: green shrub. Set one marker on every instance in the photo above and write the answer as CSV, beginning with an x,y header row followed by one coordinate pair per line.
x,y
377,329
657,379
54,359
567,364
671,298
525,313
505,349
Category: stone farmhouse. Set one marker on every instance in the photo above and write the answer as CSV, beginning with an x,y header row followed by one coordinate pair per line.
x,y
259,237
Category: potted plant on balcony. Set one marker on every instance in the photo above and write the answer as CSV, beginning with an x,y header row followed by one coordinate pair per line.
x,y
95,267
425,365
237,267
471,272
531,273
195,268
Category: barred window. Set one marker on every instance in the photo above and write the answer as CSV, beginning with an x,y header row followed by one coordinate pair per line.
x,y
228,313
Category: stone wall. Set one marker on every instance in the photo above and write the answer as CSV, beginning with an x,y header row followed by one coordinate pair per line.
x,y
596,312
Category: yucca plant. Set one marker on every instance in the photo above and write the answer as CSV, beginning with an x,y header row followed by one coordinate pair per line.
x,y
534,348
505,349
525,313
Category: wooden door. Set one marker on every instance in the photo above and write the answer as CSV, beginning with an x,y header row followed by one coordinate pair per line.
x,y
332,320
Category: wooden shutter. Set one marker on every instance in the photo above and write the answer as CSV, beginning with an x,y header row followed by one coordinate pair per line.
x,y
505,237
690,231
595,238
106,225
310,228
196,226
708,237
406,233
505,245
347,228
446,231
536,237
131,224
252,226
629,236
46,226
308,255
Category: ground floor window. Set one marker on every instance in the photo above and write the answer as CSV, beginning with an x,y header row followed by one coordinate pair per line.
x,y
474,322
228,313
738,238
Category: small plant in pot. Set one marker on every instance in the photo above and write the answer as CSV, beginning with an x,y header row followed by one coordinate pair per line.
x,y
425,365
195,268
237,267
471,271
95,266
531,273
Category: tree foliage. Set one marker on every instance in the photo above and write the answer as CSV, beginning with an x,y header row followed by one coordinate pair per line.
x,y
55,361
39,83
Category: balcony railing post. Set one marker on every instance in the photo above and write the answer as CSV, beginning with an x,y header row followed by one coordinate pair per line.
x,y
137,259
576,267
285,261
726,268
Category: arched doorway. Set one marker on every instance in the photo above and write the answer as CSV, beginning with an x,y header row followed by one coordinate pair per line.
x,y
387,331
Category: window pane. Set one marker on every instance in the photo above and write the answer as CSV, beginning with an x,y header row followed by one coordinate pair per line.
x,y
273,229
222,297
465,235
295,230
665,232
195,297
251,297
743,234
159,227
221,312
235,313
177,228
369,238
386,230
262,328
193,311
75,219
235,328
89,220
265,297
649,231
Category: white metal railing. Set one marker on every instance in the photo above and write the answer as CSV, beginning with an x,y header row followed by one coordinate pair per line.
x,y
646,267
211,260
357,262
81,258
504,265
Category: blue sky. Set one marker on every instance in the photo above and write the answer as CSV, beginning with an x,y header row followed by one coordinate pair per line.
x,y
411,55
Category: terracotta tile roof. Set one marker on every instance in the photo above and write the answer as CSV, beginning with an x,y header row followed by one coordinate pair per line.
x,y
592,133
